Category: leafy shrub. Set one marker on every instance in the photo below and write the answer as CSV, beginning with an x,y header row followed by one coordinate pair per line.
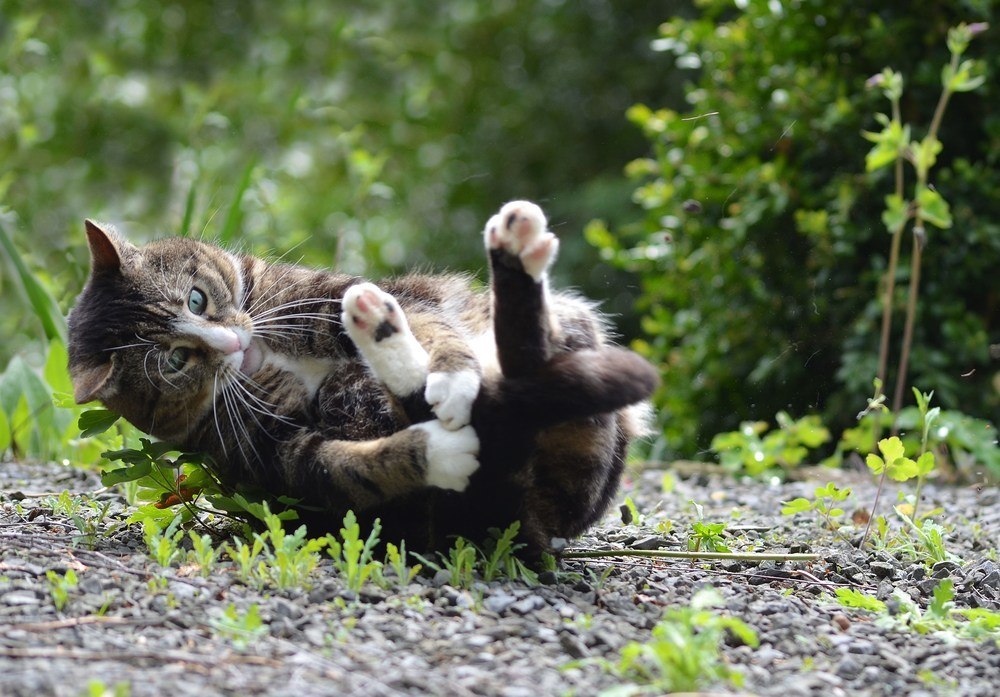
x,y
762,246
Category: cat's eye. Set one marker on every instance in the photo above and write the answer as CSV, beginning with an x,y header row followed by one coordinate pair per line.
x,y
197,301
177,359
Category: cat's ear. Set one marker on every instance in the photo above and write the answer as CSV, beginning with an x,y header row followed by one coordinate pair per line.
x,y
93,382
107,250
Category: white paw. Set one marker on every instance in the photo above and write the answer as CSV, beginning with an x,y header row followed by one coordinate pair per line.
x,y
451,455
519,229
451,396
378,327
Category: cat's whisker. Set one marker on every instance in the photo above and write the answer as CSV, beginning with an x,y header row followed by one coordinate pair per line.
x,y
159,367
292,304
142,342
321,316
267,294
145,366
237,424
256,404
241,426
215,413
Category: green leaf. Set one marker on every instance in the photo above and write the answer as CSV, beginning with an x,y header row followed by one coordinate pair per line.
x,y
129,473
896,213
902,469
875,463
891,449
6,437
966,78
94,422
938,607
849,597
925,464
45,306
933,208
890,142
799,505
924,154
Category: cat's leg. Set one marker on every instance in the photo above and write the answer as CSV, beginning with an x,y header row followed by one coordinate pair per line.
x,y
444,376
361,474
532,324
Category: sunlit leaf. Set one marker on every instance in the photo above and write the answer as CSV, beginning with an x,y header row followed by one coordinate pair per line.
x,y
933,208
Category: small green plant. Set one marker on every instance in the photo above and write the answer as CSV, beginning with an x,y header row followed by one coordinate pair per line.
x,y
395,559
97,688
163,542
824,504
757,451
203,552
924,540
682,654
354,556
706,536
59,587
86,514
497,558
241,628
941,615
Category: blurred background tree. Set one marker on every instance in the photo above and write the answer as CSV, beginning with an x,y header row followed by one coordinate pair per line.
x,y
763,248
374,136
379,136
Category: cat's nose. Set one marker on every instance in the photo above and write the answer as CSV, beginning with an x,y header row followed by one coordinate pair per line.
x,y
221,339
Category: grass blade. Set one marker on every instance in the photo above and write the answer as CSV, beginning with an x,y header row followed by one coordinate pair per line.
x,y
234,217
45,306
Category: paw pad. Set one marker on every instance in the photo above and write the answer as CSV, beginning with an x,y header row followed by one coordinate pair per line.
x,y
519,229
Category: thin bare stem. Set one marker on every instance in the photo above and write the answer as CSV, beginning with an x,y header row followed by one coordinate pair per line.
x,y
890,281
669,554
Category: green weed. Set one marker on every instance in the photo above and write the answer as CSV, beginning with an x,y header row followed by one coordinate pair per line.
x,y
941,616
757,451
683,652
706,536
162,542
354,556
203,552
497,558
59,587
241,628
824,504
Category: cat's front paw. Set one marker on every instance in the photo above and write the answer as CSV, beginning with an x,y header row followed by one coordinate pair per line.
x,y
451,455
519,230
451,394
377,326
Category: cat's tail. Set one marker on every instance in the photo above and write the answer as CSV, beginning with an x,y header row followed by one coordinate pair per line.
x,y
571,386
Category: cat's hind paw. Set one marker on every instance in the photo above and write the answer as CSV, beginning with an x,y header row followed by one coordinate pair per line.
x,y
451,394
451,455
378,327
519,230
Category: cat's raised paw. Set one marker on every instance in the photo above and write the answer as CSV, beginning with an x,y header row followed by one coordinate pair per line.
x,y
451,394
451,455
378,327
519,229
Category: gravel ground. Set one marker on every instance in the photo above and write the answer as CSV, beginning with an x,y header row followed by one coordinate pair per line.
x,y
154,631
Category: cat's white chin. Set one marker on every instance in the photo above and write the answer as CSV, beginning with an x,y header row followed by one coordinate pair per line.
x,y
253,358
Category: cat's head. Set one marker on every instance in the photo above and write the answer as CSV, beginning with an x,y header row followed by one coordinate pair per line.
x,y
158,329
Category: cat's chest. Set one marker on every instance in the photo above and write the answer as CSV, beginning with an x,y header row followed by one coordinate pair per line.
x,y
308,371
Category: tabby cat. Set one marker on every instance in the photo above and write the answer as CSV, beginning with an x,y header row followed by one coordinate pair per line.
x,y
440,409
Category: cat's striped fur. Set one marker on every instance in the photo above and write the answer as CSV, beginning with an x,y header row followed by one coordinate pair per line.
x,y
440,409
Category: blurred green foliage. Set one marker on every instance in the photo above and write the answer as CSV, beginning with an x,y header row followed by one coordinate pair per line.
x,y
762,248
379,136
372,136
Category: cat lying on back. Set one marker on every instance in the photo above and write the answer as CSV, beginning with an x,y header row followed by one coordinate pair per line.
x,y
440,409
